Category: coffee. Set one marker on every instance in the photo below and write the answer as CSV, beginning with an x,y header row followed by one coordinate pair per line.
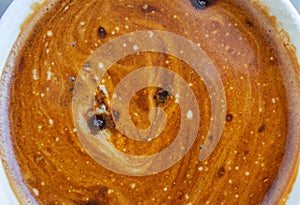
x,y
49,164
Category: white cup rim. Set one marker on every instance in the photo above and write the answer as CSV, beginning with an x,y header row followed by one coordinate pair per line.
x,y
287,16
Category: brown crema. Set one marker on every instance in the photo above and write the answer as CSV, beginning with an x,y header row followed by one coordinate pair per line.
x,y
47,163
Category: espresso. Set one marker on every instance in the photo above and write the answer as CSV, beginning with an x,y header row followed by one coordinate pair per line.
x,y
49,165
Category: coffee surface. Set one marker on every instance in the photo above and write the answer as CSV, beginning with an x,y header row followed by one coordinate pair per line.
x,y
240,41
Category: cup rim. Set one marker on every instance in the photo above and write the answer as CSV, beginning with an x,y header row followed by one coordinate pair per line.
x,y
287,17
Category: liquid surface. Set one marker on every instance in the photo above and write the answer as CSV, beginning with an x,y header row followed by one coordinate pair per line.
x,y
243,46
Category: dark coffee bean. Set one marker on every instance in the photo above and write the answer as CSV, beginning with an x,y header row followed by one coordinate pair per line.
x,y
100,121
101,32
161,96
165,93
200,4
249,23
72,79
221,172
229,117
261,128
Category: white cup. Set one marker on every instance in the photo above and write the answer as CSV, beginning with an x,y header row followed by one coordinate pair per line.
x,y
286,15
